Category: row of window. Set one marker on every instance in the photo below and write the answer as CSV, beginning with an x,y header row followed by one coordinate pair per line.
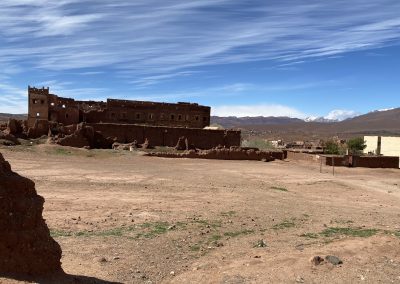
x,y
36,101
151,116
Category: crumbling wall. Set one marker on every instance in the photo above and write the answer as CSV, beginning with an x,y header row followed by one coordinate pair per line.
x,y
80,136
25,243
39,128
15,127
220,153
293,155
168,136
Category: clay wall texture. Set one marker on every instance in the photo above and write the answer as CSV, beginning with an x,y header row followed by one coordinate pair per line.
x,y
337,161
301,156
38,105
376,162
43,105
344,161
168,136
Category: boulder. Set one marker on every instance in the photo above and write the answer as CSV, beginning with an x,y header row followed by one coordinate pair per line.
x,y
26,247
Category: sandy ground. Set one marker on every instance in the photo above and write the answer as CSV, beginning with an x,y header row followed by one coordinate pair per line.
x,y
127,218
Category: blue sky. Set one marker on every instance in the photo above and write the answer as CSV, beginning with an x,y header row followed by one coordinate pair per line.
x,y
297,58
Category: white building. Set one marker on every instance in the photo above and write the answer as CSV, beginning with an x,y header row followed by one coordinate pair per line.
x,y
381,145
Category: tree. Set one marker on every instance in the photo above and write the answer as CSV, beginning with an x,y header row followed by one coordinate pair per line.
x,y
332,148
356,145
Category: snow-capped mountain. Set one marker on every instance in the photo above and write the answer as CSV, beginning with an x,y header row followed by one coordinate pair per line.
x,y
319,119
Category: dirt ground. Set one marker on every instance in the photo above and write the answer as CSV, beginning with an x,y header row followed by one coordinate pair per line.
x,y
127,218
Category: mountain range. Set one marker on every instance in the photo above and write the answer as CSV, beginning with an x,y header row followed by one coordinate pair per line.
x,y
4,117
383,122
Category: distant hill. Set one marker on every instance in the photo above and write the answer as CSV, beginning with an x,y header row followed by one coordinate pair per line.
x,y
233,121
4,117
374,123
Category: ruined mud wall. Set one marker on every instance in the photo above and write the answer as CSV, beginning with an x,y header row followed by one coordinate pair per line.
x,y
232,153
298,156
25,243
168,136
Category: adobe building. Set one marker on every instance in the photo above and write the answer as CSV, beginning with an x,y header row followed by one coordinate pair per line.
x,y
128,121
43,105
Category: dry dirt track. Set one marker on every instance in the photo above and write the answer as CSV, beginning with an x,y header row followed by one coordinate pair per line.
x,y
123,217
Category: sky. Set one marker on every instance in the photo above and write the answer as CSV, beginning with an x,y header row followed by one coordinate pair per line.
x,y
297,58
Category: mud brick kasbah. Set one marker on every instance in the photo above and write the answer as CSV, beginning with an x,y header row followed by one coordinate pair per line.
x,y
162,124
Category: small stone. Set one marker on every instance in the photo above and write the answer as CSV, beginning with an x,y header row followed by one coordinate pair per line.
x,y
299,279
172,273
261,244
115,257
101,259
172,227
333,259
316,260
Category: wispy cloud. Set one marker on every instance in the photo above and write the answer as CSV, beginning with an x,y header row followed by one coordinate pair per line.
x,y
233,90
341,114
151,39
12,98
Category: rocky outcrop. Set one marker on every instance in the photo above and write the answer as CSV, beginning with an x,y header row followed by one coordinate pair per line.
x,y
26,247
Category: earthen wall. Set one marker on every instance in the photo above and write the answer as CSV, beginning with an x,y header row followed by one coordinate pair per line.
x,y
376,162
168,136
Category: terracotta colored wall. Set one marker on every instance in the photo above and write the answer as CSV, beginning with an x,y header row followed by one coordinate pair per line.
x,y
376,162
344,161
38,106
168,136
151,113
338,161
301,156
